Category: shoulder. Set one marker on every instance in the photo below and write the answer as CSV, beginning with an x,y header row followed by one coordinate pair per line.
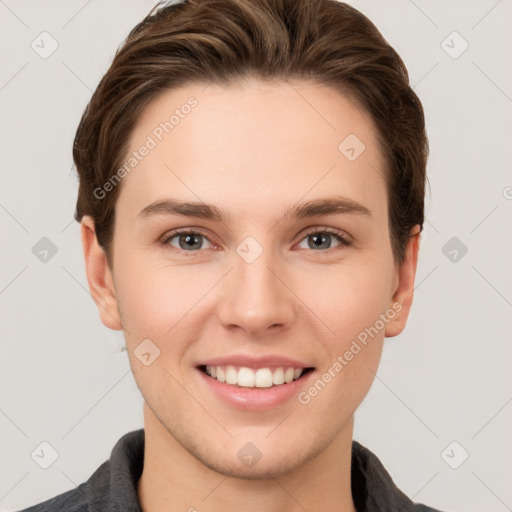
x,y
112,485
69,501
373,488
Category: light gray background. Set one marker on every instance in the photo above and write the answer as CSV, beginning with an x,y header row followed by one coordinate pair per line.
x,y
64,379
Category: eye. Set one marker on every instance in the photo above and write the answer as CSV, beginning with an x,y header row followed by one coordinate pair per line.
x,y
322,239
186,241
318,239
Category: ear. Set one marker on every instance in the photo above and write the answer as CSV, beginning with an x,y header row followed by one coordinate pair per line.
x,y
402,298
99,276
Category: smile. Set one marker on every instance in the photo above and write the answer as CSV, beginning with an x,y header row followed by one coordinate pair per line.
x,y
264,377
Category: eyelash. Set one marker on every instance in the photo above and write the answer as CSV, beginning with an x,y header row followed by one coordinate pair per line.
x,y
338,235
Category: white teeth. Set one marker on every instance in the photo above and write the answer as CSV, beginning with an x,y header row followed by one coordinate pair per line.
x,y
231,375
249,378
262,378
246,378
278,377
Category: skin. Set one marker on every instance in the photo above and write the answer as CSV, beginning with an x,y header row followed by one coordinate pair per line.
x,y
254,151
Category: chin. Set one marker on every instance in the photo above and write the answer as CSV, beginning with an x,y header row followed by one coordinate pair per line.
x,y
262,469
264,458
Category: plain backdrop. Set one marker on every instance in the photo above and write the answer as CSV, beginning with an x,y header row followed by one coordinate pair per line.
x,y
443,390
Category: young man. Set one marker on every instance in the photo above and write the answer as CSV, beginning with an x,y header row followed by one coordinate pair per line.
x,y
252,177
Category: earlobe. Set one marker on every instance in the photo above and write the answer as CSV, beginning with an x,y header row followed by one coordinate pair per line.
x,y
402,298
99,276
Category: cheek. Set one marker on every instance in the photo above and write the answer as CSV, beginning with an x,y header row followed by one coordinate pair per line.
x,y
154,299
158,305
352,310
359,309
348,299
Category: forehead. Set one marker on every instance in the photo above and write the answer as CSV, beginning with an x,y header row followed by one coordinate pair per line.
x,y
273,142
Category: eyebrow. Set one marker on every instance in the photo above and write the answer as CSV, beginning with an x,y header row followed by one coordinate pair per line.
x,y
327,206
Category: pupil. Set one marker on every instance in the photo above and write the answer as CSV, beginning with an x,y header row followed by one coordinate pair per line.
x,y
321,240
189,241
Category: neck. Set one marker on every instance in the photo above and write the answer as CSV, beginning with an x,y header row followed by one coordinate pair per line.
x,y
173,479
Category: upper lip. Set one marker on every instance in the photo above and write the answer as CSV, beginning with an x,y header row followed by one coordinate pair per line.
x,y
254,362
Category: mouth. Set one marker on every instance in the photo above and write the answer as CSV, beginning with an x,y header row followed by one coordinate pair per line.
x,y
245,377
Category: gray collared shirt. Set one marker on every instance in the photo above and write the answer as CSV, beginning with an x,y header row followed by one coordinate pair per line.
x,y
113,486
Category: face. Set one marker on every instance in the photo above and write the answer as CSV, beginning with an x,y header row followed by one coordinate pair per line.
x,y
250,245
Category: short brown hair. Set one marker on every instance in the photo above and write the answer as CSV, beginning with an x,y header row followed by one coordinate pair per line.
x,y
223,41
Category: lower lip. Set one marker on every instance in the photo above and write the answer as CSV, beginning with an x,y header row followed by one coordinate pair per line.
x,y
255,399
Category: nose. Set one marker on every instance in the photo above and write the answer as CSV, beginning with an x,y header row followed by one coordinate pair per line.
x,y
257,298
